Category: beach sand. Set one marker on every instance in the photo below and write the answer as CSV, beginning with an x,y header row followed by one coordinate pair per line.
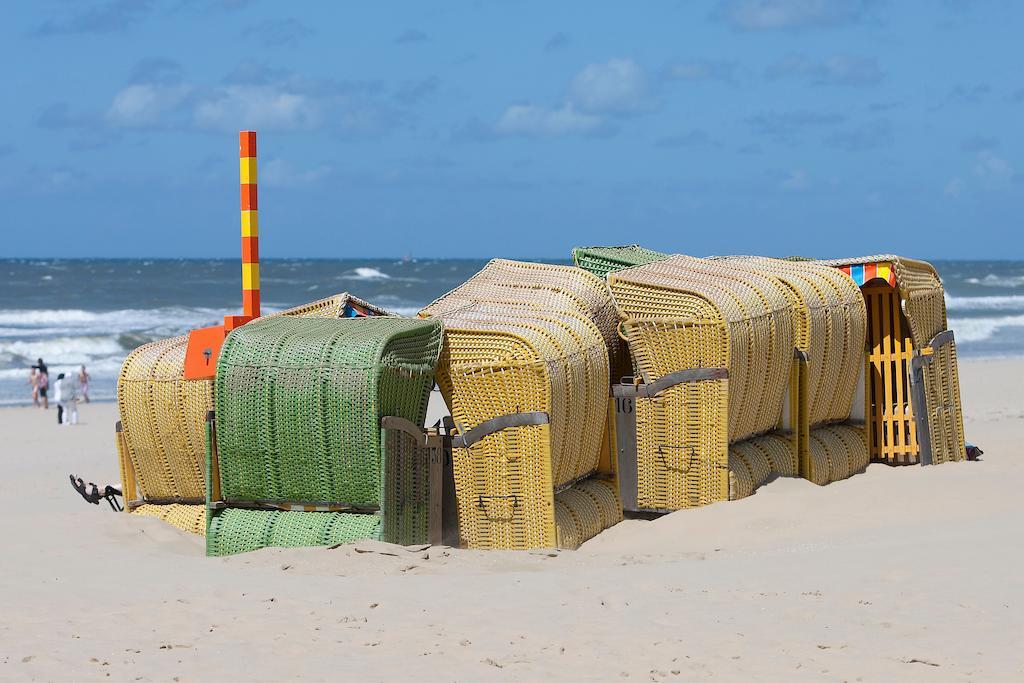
x,y
896,574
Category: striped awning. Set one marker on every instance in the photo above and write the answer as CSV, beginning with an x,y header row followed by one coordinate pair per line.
x,y
863,273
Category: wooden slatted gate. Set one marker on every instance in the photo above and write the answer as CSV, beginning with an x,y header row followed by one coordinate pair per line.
x,y
891,429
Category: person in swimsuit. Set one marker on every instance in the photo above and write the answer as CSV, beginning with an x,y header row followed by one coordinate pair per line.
x,y
83,384
33,381
42,381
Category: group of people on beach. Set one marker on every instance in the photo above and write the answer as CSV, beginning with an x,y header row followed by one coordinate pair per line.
x,y
67,391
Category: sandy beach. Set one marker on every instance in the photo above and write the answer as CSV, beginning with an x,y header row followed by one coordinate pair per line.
x,y
895,574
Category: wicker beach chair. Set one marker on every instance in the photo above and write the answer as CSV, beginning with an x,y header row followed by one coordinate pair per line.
x,y
713,347
525,373
603,260
912,389
301,453
540,285
161,432
829,331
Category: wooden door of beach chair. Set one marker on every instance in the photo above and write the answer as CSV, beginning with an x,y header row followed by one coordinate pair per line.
x,y
299,454
888,403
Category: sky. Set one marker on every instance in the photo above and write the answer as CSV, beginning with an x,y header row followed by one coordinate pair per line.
x,y
518,129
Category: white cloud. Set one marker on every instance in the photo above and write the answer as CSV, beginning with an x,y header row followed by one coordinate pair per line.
x,y
530,119
248,106
615,86
954,188
143,104
280,173
992,167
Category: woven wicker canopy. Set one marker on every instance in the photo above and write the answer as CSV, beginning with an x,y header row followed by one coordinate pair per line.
x,y
299,403
603,260
523,337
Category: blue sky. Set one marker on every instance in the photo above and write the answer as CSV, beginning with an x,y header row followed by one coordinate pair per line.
x,y
819,127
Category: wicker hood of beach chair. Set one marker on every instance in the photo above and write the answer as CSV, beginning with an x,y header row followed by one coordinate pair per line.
x,y
603,260
912,361
301,457
161,445
531,484
829,329
542,285
684,314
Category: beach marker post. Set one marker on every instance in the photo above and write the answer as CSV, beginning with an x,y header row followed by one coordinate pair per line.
x,y
204,343
249,207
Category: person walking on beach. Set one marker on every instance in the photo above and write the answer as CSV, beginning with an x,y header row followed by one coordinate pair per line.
x,y
83,384
42,381
68,398
33,381
58,397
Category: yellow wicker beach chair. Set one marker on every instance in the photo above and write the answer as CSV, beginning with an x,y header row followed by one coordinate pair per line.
x,y
829,331
713,347
912,390
161,434
541,285
525,372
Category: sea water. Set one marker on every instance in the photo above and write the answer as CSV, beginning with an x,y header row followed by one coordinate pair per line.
x,y
94,311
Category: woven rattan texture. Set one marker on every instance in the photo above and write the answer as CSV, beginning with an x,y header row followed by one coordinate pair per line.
x,y
190,518
584,510
163,417
603,260
333,307
753,311
945,418
754,461
830,324
551,287
837,452
299,402
239,531
682,446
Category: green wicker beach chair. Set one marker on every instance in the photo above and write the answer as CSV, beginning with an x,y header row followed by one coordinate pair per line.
x,y
603,260
299,455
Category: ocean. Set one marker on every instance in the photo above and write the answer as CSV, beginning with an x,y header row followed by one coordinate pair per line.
x,y
94,311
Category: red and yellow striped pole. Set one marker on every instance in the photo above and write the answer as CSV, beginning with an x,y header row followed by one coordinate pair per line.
x,y
204,343
250,224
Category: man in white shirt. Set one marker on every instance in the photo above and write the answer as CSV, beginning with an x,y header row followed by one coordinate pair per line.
x,y
67,400
58,397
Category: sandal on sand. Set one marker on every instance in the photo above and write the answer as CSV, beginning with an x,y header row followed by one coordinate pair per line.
x,y
110,493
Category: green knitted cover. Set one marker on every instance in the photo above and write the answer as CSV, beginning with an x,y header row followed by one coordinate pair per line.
x,y
298,406
603,260
240,531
